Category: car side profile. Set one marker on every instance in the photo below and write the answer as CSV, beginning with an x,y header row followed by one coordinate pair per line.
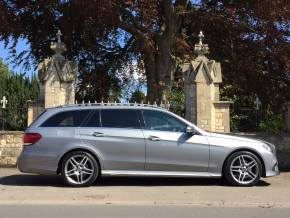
x,y
84,142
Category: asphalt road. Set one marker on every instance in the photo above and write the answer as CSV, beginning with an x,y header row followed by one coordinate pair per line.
x,y
115,211
18,188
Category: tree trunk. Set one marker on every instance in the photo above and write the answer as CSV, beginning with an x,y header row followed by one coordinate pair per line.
x,y
152,82
159,71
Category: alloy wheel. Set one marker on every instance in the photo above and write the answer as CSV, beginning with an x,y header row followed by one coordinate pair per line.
x,y
79,169
244,169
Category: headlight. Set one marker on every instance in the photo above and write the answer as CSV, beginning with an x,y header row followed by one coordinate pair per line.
x,y
269,147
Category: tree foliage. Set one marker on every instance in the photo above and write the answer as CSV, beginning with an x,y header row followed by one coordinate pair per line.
x,y
249,38
138,96
18,89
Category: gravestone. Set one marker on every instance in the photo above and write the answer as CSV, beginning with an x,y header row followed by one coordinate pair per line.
x,y
57,81
202,96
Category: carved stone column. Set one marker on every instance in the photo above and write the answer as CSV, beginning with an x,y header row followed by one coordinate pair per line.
x,y
57,81
202,97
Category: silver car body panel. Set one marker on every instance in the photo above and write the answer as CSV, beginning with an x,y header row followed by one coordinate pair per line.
x,y
125,151
159,173
176,151
119,149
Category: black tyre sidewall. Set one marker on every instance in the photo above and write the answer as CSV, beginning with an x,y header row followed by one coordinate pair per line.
x,y
227,171
95,163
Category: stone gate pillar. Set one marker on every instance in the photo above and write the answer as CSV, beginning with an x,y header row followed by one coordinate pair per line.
x,y
202,97
57,81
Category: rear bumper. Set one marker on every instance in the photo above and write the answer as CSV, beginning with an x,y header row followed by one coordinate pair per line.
x,y
29,162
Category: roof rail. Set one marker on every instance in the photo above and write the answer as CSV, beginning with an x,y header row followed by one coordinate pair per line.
x,y
161,106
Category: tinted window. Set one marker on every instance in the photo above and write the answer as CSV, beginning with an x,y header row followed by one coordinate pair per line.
x,y
93,120
120,118
67,119
155,120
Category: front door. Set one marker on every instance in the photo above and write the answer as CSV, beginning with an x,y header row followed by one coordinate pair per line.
x,y
169,147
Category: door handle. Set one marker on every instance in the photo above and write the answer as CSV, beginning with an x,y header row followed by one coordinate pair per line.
x,y
153,138
98,134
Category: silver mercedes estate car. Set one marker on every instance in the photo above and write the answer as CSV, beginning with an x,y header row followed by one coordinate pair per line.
x,y
84,142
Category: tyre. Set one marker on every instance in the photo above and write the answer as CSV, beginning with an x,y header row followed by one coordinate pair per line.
x,y
79,169
243,168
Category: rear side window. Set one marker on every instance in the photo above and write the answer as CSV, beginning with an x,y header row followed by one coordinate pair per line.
x,y
120,118
93,120
38,116
67,119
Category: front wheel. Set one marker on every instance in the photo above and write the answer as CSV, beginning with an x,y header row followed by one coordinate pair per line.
x,y
243,169
79,169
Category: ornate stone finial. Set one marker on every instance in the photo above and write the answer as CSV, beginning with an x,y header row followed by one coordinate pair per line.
x,y
4,102
58,36
201,36
201,49
58,47
258,103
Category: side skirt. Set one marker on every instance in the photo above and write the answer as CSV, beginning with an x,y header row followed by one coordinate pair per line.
x,y
158,173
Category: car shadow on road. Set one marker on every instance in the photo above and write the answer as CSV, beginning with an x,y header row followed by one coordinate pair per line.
x,y
56,181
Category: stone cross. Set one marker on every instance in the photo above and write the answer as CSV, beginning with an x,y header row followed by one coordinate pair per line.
x,y
58,47
58,35
258,103
201,36
4,102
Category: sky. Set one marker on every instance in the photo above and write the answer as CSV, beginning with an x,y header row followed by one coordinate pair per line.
x,y
4,55
24,45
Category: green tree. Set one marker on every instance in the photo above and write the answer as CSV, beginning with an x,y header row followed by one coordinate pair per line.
x,y
4,72
18,89
138,96
249,38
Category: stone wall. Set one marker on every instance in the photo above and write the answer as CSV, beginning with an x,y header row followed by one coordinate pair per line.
x,y
34,110
221,117
10,147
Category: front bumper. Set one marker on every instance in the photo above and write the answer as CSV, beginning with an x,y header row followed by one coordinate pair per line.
x,y
271,165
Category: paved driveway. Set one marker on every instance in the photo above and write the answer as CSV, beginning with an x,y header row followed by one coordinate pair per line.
x,y
30,189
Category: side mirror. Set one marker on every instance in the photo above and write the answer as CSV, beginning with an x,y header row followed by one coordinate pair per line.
x,y
190,130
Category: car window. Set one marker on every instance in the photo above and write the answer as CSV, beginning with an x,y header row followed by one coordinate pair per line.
x,y
119,118
156,120
93,120
38,116
67,119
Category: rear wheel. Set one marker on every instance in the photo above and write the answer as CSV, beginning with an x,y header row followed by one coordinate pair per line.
x,y
243,169
79,169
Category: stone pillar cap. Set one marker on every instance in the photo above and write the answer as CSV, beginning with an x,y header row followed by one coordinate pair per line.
x,y
226,103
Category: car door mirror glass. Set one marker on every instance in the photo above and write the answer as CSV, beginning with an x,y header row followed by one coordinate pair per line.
x,y
190,130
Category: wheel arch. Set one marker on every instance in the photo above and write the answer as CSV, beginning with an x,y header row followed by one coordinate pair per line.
x,y
249,150
78,149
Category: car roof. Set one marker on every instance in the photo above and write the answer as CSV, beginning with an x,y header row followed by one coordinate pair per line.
x,y
109,106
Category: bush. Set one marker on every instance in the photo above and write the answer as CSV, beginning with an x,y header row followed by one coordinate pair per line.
x,y
273,123
176,98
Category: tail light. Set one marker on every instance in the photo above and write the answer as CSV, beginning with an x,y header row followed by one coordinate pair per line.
x,y
31,138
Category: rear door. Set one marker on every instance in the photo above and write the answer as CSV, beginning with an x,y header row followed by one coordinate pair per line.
x,y
118,138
